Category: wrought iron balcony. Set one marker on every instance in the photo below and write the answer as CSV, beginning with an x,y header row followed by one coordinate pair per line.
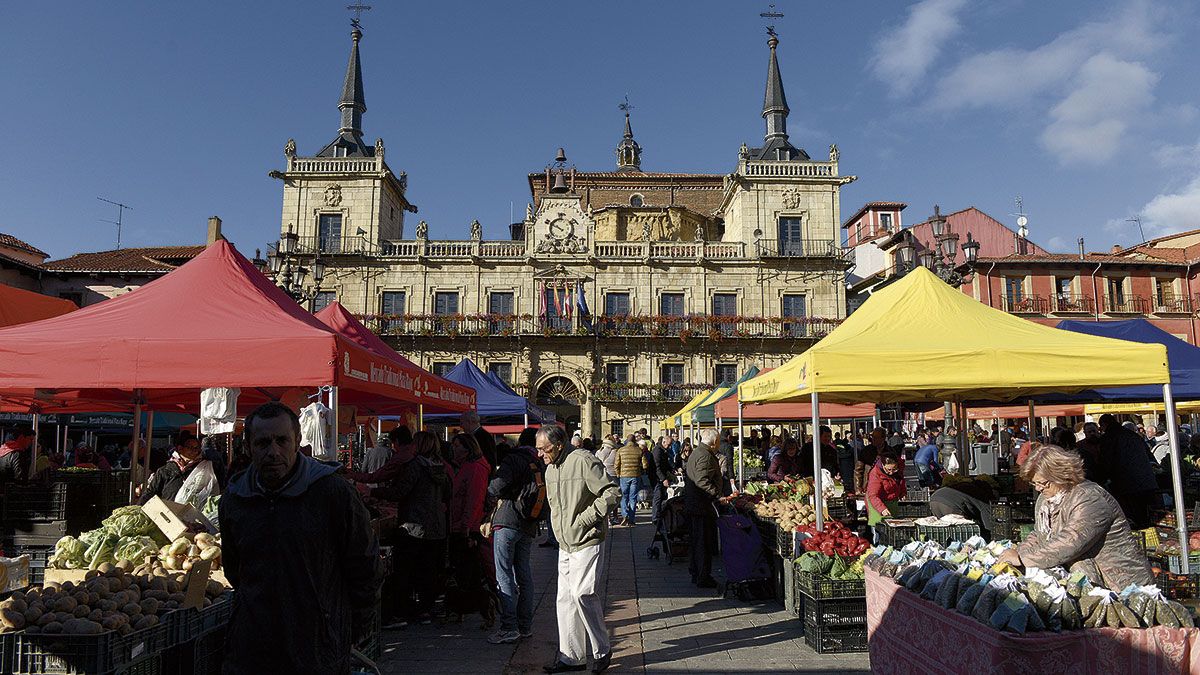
x,y
699,327
1130,304
647,393
1074,303
1172,305
797,248
1026,304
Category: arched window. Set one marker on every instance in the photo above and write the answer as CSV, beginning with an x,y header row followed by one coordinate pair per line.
x,y
559,391
636,200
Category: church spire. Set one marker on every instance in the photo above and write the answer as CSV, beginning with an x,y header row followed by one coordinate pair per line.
x,y
629,153
775,107
353,104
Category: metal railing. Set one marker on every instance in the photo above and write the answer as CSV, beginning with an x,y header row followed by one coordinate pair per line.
x,y
789,169
336,245
334,164
646,393
797,248
1073,303
1132,304
1026,304
1172,305
700,327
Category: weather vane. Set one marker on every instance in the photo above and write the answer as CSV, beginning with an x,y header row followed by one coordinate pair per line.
x,y
626,106
771,14
358,8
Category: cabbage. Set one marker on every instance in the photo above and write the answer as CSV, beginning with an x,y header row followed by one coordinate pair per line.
x,y
135,549
68,554
101,552
129,521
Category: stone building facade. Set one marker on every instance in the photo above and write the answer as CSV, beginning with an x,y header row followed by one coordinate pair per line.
x,y
619,296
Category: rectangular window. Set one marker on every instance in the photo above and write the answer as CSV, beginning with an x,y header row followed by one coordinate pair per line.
x,y
323,300
618,428
1164,294
725,304
885,221
391,306
671,374
557,303
1063,286
616,373
445,302
501,305
794,307
671,304
329,233
1116,294
502,370
1014,292
724,374
791,236
440,368
616,304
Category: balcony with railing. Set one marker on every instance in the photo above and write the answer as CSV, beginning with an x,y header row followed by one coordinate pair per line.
x,y
1073,303
699,327
334,165
797,248
1130,304
1026,304
626,392
1172,305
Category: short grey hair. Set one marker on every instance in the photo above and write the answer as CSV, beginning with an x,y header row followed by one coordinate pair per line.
x,y
553,434
708,436
469,416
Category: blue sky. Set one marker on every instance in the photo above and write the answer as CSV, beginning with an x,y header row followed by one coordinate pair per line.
x,y
181,109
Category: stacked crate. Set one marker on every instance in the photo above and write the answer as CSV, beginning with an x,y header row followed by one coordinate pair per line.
x,y
834,612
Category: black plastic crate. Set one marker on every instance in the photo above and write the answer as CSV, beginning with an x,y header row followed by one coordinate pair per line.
x,y
823,588
894,535
838,509
208,653
947,533
151,665
1179,586
33,503
918,494
38,557
907,509
184,625
837,612
1174,563
10,540
835,640
1019,510
60,654
784,542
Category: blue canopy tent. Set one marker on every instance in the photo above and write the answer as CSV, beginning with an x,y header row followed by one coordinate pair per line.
x,y
1183,361
494,400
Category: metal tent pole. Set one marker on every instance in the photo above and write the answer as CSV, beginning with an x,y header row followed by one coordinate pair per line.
x,y
133,451
818,496
36,439
333,425
741,450
1032,422
1176,478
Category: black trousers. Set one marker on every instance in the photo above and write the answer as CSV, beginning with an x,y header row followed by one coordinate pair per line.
x,y
704,544
658,495
418,576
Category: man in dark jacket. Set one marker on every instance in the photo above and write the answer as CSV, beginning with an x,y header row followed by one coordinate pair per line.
x,y
701,490
512,534
661,477
299,551
1126,470
14,455
470,424
829,454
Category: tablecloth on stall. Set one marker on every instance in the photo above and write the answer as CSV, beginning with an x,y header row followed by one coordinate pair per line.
x,y
910,635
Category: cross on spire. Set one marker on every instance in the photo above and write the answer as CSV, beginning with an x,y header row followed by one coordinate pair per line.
x,y
358,8
771,14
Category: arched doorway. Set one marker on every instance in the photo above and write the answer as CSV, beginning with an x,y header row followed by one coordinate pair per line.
x,y
562,396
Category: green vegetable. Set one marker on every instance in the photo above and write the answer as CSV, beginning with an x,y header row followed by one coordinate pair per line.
x,y
135,549
815,562
129,521
68,554
101,552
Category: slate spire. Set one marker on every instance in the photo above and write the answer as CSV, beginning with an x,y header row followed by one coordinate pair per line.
x,y
629,153
353,103
775,107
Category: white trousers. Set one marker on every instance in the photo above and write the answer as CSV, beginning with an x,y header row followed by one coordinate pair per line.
x,y
581,605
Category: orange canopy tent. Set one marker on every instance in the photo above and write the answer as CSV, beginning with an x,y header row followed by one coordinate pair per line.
x,y
1016,412
21,306
727,409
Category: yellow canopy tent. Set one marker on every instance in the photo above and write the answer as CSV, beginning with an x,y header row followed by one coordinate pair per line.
x,y
921,340
1139,408
675,420
710,397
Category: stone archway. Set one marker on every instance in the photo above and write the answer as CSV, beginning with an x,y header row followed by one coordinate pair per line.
x,y
562,395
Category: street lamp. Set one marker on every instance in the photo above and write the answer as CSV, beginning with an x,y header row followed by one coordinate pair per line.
x,y
286,267
971,250
258,262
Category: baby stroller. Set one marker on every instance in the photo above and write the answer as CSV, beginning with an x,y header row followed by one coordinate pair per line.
x,y
671,531
747,570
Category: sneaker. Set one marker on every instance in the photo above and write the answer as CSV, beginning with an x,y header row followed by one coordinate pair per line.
x,y
601,664
526,633
501,637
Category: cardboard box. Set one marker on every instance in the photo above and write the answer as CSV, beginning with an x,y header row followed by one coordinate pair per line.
x,y
176,520
77,576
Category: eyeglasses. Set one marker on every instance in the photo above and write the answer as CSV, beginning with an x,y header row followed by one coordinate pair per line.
x,y
1040,484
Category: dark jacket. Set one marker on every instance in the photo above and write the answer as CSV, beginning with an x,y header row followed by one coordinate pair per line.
x,y
726,452
662,464
421,491
305,566
14,464
947,500
782,467
1125,463
701,482
164,483
487,444
514,473
829,459
862,467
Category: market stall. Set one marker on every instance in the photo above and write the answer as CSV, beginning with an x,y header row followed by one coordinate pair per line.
x,y
495,402
21,306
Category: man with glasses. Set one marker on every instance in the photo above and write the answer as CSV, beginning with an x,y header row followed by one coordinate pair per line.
x,y
580,496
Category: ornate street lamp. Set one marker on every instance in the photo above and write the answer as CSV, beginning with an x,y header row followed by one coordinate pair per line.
x,y
971,250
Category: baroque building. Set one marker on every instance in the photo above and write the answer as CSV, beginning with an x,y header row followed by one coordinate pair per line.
x,y
618,297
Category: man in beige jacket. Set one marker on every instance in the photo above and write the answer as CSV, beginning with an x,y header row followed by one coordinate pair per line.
x,y
580,495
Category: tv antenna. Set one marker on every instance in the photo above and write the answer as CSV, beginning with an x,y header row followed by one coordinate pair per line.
x,y
120,212
1022,217
1138,219
358,8
771,14
626,106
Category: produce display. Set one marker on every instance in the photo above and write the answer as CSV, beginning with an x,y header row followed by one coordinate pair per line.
x,y
966,577
109,599
832,566
836,541
128,535
752,461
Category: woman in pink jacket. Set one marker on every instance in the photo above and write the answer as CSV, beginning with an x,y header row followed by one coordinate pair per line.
x,y
470,481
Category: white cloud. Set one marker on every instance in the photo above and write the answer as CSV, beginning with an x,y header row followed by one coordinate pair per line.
x,y
1174,156
903,57
1172,212
1057,244
1088,125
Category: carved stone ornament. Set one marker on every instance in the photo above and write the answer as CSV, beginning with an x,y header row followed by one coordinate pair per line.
x,y
333,195
289,150
476,230
422,230
834,153
791,198
646,230
379,148
699,231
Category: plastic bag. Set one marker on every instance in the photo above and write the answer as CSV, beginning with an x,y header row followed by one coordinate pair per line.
x,y
200,484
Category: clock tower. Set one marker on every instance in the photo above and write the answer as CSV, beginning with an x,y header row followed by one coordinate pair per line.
x,y
560,226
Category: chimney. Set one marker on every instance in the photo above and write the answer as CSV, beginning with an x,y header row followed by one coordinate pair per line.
x,y
1081,255
214,230
1116,249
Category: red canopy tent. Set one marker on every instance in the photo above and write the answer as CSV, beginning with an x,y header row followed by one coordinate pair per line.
x,y
435,394
21,306
215,321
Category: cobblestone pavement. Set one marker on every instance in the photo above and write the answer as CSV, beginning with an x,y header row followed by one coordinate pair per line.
x,y
660,623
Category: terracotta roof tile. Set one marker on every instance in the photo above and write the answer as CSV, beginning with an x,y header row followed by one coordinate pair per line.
x,y
145,260
12,242
1074,257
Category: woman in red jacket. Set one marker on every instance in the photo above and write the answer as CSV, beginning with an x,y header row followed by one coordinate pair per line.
x,y
885,487
470,481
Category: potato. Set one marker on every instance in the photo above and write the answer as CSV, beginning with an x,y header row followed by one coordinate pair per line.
x,y
15,604
63,617
46,619
145,622
91,574
214,588
95,615
125,629
11,618
177,597
173,586
50,586
66,604
82,627
149,606
82,611
170,605
52,627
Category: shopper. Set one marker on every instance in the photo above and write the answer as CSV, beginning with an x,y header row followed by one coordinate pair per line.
x,y
630,466
467,496
298,549
15,454
829,460
187,467
608,457
866,459
885,486
725,456
786,463
663,476
701,490
929,471
580,497
964,499
1078,525
421,491
470,424
513,531
1126,469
